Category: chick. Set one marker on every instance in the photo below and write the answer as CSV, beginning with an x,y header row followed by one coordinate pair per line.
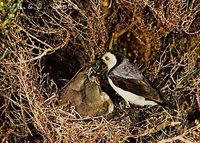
x,y
73,91
84,93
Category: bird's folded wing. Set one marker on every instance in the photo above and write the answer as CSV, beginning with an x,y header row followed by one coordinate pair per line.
x,y
136,86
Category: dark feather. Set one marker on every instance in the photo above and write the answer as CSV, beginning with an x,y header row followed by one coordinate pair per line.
x,y
136,86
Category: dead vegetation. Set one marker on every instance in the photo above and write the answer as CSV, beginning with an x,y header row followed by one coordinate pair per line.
x,y
44,42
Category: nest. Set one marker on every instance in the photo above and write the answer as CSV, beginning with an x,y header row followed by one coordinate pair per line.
x,y
45,42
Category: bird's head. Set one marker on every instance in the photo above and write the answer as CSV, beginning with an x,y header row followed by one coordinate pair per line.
x,y
109,59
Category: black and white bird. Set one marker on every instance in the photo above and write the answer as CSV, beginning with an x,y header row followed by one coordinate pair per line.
x,y
125,78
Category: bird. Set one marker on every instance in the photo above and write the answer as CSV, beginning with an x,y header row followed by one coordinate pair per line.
x,y
71,93
126,79
84,93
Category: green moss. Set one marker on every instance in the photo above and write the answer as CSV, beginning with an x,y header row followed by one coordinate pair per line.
x,y
8,12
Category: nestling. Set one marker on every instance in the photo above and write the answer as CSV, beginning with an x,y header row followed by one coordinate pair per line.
x,y
85,94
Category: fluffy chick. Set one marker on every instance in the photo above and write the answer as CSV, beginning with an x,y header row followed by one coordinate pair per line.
x,y
84,93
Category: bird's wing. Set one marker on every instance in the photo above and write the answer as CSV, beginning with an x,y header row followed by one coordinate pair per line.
x,y
127,69
136,86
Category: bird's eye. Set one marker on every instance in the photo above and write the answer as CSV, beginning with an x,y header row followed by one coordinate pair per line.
x,y
107,58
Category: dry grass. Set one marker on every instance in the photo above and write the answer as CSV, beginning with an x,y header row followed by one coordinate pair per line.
x,y
44,43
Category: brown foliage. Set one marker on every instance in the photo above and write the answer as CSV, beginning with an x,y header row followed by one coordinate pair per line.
x,y
47,41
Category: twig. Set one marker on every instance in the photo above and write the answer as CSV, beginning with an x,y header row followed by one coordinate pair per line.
x,y
174,139
156,129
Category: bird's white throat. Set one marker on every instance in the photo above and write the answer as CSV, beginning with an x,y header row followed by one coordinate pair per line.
x,y
111,65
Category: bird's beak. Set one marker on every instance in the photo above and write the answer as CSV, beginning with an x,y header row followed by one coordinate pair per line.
x,y
100,60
